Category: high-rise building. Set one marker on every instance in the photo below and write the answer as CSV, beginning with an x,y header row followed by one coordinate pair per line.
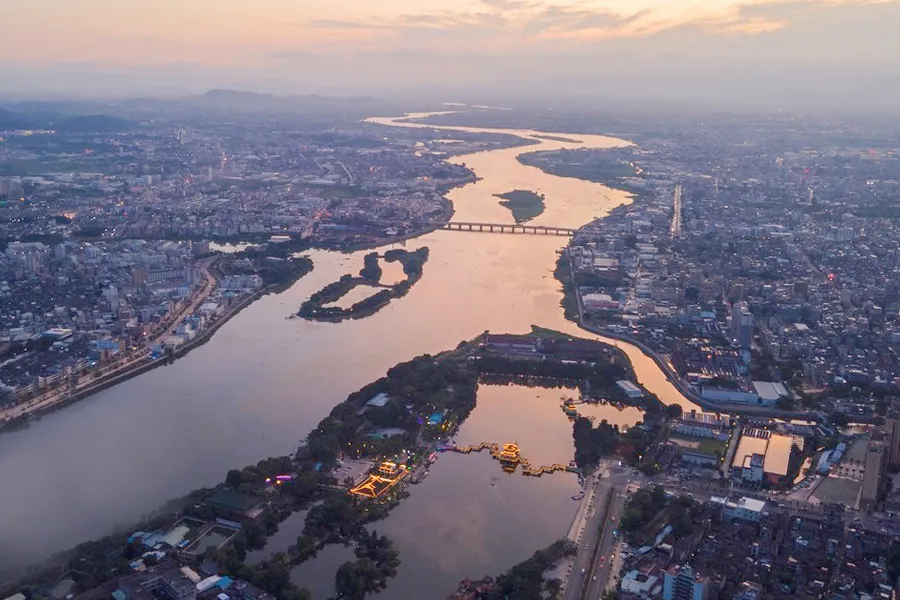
x,y
873,476
139,275
892,437
682,583
742,325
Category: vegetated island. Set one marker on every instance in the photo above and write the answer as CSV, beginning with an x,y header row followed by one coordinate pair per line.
x,y
613,168
557,138
317,307
524,581
524,204
392,426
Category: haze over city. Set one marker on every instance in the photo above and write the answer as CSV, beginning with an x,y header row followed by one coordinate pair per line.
x,y
825,53
450,300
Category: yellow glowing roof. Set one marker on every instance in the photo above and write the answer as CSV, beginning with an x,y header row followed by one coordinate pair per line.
x,y
749,445
778,455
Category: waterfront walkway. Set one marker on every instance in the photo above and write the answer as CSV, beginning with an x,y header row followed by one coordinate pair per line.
x,y
509,456
129,364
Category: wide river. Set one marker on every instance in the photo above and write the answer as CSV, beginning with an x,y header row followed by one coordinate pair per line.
x,y
264,380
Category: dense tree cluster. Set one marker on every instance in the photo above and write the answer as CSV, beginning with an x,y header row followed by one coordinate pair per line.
x,y
653,506
371,269
273,575
424,384
334,519
563,274
593,443
525,581
377,561
412,261
315,307
600,376
643,506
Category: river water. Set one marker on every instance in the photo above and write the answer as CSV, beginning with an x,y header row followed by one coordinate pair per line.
x,y
264,380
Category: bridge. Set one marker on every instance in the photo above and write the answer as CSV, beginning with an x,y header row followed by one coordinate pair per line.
x,y
505,228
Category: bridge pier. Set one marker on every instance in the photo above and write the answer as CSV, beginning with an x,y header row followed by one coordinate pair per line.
x,y
509,228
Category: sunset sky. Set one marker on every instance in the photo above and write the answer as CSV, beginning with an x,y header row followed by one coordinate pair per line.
x,y
312,44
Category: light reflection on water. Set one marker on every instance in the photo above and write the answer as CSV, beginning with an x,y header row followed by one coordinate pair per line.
x,y
264,381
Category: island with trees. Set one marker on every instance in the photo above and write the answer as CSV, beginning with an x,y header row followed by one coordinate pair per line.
x,y
613,168
319,306
524,581
523,204
309,480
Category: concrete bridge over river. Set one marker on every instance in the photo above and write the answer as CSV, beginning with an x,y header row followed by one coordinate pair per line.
x,y
507,228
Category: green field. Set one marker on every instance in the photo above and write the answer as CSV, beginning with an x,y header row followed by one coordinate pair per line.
x,y
705,445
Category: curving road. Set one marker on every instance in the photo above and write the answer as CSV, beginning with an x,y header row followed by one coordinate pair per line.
x,y
126,364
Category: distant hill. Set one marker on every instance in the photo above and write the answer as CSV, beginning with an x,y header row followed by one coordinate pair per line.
x,y
241,100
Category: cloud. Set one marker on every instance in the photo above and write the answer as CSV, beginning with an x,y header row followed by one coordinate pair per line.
x,y
497,24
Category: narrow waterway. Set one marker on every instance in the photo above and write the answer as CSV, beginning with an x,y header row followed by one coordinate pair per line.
x,y
264,380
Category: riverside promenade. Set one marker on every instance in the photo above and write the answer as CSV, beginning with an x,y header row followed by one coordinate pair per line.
x,y
133,364
666,367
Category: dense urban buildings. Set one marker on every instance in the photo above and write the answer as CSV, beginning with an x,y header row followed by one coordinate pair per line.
x,y
754,266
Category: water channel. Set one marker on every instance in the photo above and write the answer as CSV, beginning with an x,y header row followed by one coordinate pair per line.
x,y
264,381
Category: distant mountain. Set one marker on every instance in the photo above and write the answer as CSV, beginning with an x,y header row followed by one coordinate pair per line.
x,y
242,100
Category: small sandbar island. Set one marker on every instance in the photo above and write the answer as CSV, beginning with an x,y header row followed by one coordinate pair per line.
x,y
327,305
525,205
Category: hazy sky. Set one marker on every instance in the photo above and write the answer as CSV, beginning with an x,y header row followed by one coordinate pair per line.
x,y
356,45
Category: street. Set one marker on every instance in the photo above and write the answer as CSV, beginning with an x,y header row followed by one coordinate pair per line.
x,y
595,545
126,363
598,582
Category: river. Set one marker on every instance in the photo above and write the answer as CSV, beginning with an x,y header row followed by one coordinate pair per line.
x,y
264,381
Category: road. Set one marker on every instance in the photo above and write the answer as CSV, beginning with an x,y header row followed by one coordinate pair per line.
x,y
130,361
596,542
581,568
599,579
677,209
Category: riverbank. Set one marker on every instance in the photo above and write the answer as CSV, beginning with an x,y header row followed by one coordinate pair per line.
x,y
268,381
146,363
571,303
614,175
413,393
447,212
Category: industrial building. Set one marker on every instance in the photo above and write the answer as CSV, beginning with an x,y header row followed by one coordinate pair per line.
x,y
629,389
762,454
744,509
703,425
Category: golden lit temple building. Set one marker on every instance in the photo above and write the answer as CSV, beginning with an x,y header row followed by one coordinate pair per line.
x,y
509,457
377,484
